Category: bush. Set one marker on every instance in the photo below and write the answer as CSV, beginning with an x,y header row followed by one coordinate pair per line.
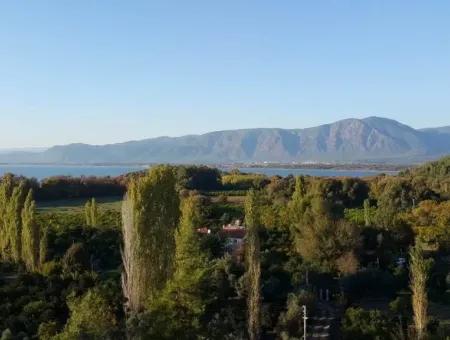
x,y
360,324
242,181
47,330
91,317
50,268
370,283
290,323
76,259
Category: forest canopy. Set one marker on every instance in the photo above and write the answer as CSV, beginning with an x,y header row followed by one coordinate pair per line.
x,y
192,252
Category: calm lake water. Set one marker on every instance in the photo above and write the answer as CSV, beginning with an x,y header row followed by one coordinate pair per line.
x,y
43,171
316,172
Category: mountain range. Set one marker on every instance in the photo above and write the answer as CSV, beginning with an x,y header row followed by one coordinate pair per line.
x,y
371,139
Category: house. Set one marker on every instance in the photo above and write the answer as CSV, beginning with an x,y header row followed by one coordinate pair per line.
x,y
204,230
234,234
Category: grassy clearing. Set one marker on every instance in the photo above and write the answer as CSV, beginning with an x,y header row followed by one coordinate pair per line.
x,y
110,203
229,199
77,204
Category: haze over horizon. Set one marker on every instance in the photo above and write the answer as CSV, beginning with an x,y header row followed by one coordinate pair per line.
x,y
119,141
108,72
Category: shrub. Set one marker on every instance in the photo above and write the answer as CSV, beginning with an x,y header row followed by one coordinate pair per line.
x,y
360,324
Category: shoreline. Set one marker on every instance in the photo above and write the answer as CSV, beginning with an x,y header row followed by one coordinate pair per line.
x,y
231,166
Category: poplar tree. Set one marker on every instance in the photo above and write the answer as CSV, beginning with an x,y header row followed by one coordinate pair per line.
x,y
91,212
94,212
177,310
87,212
14,211
150,215
190,261
253,259
6,188
297,203
19,230
43,246
30,234
419,272
367,212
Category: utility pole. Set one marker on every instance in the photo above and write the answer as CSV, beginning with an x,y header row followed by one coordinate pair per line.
x,y
304,322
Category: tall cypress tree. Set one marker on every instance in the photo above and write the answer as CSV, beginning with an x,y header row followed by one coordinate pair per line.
x,y
150,215
253,259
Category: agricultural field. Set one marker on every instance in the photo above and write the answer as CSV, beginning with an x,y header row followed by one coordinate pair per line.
x,y
77,204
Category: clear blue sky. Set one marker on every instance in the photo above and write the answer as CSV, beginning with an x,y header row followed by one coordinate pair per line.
x,y
108,71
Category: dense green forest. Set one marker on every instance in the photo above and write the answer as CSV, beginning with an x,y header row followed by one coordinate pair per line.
x,y
368,258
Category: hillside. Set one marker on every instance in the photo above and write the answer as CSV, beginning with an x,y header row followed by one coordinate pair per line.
x,y
371,139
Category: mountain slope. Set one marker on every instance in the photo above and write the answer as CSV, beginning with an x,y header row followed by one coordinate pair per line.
x,y
441,129
349,140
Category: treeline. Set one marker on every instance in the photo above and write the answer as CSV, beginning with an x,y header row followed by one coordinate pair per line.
x,y
432,176
80,187
200,178
435,175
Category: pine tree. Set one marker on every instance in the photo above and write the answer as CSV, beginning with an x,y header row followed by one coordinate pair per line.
x,y
253,259
30,234
150,215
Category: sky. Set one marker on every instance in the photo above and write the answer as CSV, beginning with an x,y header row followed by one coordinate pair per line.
x,y
105,71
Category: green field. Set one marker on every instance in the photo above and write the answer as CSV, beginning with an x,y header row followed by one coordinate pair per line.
x,y
70,205
109,202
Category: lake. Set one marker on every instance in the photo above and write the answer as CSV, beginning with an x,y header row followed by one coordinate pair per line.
x,y
316,172
43,171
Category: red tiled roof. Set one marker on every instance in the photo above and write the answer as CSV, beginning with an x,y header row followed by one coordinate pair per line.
x,y
233,232
203,230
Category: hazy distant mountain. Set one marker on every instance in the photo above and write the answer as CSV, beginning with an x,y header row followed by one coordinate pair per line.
x,y
371,139
31,149
442,129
